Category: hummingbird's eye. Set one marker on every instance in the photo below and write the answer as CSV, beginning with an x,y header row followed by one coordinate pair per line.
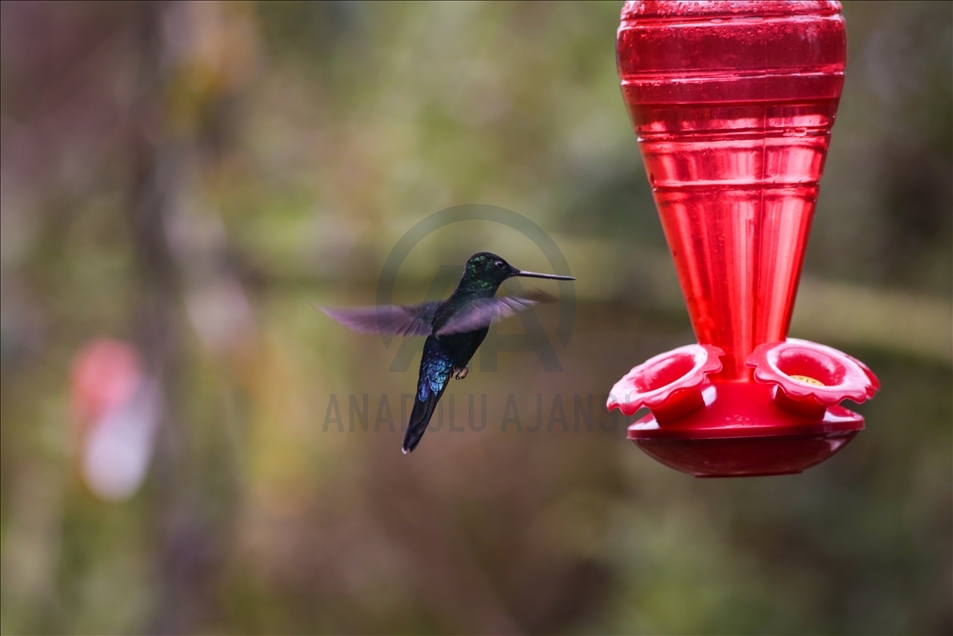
x,y
499,264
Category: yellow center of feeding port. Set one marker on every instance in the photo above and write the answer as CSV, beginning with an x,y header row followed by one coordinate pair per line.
x,y
807,380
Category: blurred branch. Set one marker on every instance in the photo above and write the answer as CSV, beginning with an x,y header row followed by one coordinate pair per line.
x,y
889,320
156,188
837,312
830,311
181,246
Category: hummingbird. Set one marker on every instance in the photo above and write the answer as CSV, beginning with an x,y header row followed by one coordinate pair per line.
x,y
455,328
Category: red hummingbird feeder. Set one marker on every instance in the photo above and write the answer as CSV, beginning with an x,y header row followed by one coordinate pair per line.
x,y
733,104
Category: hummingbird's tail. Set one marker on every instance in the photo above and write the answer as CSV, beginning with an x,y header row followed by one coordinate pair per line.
x,y
435,369
419,419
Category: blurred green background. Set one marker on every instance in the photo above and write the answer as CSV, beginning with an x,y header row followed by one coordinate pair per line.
x,y
189,178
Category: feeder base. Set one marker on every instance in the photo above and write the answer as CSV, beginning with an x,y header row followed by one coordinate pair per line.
x,y
743,433
745,456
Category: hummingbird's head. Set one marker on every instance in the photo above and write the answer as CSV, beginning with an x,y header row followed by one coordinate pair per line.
x,y
490,267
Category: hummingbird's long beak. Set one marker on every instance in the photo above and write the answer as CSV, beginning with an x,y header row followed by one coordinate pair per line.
x,y
520,272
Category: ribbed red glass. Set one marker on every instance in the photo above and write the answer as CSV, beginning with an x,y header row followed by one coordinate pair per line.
x,y
733,104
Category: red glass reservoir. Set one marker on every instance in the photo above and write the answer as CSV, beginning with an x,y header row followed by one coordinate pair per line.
x,y
733,104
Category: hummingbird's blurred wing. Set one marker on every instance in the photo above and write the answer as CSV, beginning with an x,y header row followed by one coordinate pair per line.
x,y
481,312
403,320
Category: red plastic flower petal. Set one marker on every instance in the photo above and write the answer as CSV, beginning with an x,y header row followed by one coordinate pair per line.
x,y
670,383
807,370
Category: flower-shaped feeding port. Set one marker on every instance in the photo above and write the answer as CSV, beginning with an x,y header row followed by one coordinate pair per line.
x,y
733,104
671,384
810,377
